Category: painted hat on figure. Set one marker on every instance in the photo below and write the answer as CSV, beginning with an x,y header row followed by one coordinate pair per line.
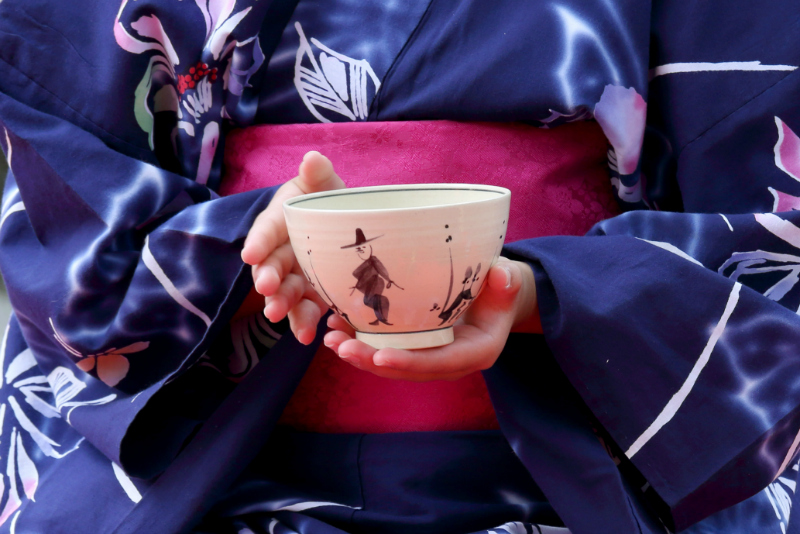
x,y
360,239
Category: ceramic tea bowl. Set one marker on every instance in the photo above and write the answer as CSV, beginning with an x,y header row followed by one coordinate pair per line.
x,y
399,263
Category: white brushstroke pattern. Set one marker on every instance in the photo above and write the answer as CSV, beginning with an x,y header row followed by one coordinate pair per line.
x,y
126,483
789,455
151,263
727,221
725,66
9,148
3,354
301,506
13,529
779,227
672,248
15,208
14,501
28,474
21,363
677,400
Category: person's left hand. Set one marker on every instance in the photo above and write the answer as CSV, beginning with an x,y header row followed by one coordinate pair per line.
x,y
506,304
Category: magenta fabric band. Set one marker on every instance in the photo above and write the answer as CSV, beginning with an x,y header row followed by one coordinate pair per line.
x,y
559,184
558,178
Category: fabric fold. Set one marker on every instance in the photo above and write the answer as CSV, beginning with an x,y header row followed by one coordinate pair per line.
x,y
673,379
133,291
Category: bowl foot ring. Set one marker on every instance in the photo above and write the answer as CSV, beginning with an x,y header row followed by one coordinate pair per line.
x,y
408,340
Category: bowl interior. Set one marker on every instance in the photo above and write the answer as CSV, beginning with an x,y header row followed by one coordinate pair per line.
x,y
365,199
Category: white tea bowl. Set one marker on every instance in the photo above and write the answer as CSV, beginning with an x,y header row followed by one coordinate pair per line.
x,y
400,263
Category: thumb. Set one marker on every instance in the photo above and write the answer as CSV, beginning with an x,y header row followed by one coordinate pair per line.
x,y
511,288
504,282
316,174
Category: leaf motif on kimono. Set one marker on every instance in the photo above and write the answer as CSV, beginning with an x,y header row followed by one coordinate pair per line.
x,y
150,26
780,496
36,402
22,362
622,113
112,368
127,484
28,473
141,107
759,262
783,201
322,87
13,502
65,385
86,365
214,12
139,346
46,444
787,150
238,79
207,150
217,41
762,262
130,44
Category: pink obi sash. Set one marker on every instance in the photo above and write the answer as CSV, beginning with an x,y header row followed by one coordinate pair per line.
x,y
559,184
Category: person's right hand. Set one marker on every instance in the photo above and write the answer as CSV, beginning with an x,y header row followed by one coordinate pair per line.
x,y
276,273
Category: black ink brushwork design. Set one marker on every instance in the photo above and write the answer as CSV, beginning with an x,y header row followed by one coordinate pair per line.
x,y
460,303
327,298
449,314
372,278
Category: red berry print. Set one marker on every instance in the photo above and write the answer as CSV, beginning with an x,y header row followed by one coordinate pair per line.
x,y
196,73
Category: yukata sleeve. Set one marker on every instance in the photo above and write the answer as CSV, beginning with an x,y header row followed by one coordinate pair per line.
x,y
119,273
680,330
691,371
121,262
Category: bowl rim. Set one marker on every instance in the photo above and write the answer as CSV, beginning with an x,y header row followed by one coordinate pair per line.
x,y
290,204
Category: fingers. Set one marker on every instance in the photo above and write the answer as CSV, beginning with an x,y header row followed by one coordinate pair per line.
x,y
275,271
512,283
286,297
303,319
316,174
338,322
268,275
361,356
472,351
267,233
509,294
269,229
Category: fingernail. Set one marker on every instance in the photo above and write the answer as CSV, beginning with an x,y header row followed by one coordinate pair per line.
x,y
508,277
328,342
380,361
305,333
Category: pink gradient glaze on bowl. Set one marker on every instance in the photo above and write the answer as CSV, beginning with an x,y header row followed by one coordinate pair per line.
x,y
401,263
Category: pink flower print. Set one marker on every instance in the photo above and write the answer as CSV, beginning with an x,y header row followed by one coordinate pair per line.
x,y
111,368
621,113
787,159
111,365
784,201
787,150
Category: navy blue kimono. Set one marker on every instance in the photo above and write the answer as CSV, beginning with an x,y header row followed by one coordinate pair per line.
x,y
662,396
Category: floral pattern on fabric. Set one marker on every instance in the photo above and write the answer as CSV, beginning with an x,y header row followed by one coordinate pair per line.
x,y
622,113
200,94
